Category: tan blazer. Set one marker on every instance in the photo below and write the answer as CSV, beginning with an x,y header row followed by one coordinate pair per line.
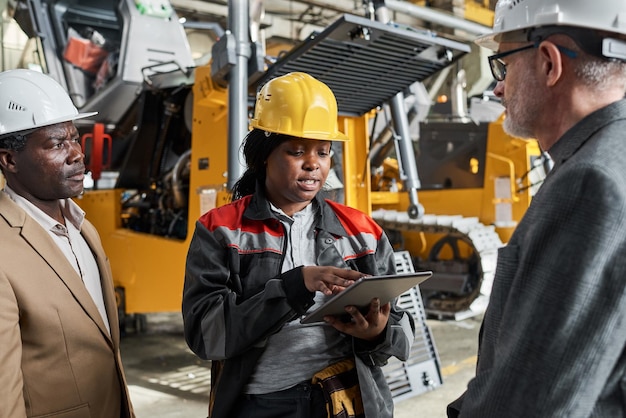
x,y
56,356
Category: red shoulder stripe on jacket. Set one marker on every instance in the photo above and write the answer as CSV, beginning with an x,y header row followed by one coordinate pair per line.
x,y
230,216
354,221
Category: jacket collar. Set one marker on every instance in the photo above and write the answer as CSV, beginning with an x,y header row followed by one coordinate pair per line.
x,y
326,220
580,133
44,246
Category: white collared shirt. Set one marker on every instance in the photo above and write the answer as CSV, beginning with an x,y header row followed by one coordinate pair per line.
x,y
300,249
69,239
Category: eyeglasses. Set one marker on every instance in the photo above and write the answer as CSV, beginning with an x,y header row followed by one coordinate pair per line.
x,y
498,67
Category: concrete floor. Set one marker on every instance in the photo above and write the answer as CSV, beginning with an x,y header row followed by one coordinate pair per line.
x,y
167,380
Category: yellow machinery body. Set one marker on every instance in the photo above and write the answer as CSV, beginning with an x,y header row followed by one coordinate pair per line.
x,y
508,161
147,238
149,269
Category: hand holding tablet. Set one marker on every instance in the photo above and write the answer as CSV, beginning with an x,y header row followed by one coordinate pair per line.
x,y
361,293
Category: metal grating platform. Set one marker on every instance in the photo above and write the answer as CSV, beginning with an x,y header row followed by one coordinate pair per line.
x,y
366,62
421,372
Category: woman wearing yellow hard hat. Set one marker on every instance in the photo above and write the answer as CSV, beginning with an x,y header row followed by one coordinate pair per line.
x,y
256,265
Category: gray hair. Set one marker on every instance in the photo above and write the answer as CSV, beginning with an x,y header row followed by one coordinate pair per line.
x,y
601,74
591,66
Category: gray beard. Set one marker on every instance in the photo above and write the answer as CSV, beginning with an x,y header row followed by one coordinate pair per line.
x,y
516,130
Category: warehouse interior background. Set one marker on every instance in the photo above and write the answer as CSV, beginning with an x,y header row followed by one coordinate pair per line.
x,y
174,85
281,24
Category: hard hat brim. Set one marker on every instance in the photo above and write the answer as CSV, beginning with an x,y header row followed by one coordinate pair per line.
x,y
70,118
64,119
319,136
488,41
49,123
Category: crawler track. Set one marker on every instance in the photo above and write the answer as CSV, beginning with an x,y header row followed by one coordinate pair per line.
x,y
484,241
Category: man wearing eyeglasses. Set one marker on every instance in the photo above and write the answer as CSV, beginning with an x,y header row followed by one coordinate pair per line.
x,y
552,343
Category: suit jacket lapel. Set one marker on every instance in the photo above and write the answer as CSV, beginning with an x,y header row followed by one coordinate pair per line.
x,y
43,245
106,280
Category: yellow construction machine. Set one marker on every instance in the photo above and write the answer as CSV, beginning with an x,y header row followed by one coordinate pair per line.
x,y
474,181
448,190
165,148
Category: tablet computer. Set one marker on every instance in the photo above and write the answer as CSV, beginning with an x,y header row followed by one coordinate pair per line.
x,y
361,293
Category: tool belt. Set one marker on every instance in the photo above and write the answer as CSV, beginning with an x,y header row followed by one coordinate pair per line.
x,y
340,384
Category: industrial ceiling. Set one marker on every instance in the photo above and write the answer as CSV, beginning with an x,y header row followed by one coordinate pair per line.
x,y
283,23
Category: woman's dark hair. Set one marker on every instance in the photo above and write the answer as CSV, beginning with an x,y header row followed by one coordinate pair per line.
x,y
257,146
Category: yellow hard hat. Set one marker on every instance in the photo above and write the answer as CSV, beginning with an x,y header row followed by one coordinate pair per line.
x,y
299,105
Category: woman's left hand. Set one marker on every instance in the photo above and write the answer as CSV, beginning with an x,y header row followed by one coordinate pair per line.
x,y
366,327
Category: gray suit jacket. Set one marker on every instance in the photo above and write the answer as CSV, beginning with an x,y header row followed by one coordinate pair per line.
x,y
554,334
56,356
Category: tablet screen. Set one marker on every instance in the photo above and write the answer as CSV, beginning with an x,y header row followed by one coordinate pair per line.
x,y
362,292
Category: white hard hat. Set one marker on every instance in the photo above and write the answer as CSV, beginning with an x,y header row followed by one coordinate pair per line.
x,y
31,100
514,18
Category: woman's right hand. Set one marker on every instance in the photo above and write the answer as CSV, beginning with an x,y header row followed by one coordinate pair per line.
x,y
329,280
